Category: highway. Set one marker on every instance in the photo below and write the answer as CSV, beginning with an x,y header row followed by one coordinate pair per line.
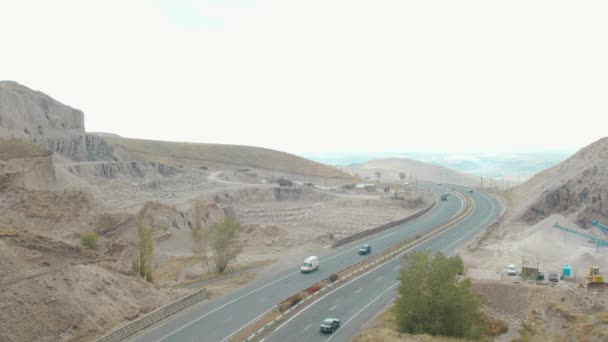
x,y
359,299
218,319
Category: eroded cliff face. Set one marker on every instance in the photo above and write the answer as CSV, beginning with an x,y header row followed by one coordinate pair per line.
x,y
29,114
112,170
37,118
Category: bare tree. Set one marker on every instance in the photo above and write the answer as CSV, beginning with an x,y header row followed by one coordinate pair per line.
x,y
378,174
224,242
143,265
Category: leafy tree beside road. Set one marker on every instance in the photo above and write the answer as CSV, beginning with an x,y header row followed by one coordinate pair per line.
x,y
434,299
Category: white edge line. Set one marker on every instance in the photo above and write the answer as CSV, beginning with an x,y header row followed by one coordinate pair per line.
x,y
365,307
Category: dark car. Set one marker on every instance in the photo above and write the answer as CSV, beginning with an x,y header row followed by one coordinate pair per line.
x,y
330,325
553,277
365,249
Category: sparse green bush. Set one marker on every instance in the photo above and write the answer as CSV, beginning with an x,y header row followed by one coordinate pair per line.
x,y
333,278
89,240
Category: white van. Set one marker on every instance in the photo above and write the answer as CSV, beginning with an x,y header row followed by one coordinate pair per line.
x,y
310,264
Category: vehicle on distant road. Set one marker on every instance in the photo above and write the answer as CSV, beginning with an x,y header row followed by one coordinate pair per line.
x,y
310,264
511,270
444,197
553,277
365,249
330,325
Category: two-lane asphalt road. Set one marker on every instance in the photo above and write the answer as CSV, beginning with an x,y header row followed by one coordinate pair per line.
x,y
218,319
357,300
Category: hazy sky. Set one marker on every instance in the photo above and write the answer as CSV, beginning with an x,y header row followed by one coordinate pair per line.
x,y
321,75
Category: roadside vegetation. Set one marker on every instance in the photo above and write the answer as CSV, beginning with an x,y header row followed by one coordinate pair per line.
x,y
222,239
435,303
434,299
224,242
143,265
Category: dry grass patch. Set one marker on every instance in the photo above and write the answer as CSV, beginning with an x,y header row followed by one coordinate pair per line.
x,y
226,286
384,329
564,312
170,270
176,153
20,149
7,231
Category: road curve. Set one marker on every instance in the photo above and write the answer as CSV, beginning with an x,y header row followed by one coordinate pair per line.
x,y
217,319
357,300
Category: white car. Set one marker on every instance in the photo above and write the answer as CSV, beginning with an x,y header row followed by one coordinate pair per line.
x,y
511,270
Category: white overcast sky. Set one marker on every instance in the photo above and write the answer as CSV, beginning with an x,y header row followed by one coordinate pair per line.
x,y
310,76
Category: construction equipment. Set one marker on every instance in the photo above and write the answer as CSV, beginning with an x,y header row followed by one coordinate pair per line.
x,y
594,279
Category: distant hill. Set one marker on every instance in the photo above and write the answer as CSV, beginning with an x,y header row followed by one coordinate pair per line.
x,y
576,187
513,167
200,154
391,167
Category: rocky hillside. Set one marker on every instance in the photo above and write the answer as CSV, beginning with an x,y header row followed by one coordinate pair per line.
x,y
37,118
391,167
576,188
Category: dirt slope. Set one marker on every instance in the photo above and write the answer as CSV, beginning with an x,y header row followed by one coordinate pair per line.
x,y
391,167
72,294
576,188
198,154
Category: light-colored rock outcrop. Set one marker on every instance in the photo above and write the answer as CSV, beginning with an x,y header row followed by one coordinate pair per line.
x,y
37,118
